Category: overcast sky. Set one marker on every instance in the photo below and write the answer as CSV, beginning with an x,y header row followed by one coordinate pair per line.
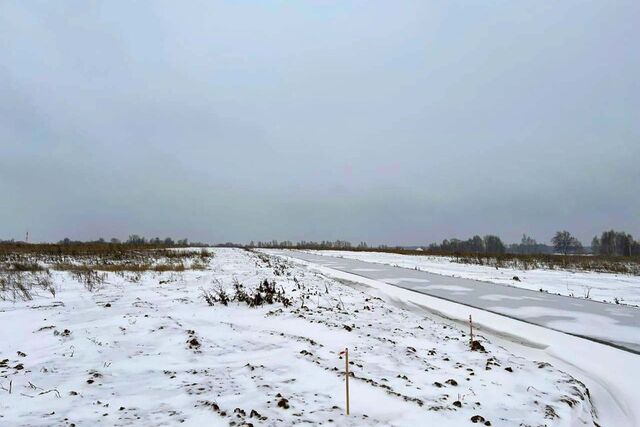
x,y
386,121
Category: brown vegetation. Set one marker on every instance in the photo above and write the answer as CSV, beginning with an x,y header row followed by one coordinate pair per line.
x,y
25,268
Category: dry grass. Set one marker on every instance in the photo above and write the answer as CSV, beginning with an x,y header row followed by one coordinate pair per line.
x,y
76,249
126,266
21,266
602,264
104,256
96,253
24,268
21,285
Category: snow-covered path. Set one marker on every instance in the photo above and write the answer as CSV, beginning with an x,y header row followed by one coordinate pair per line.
x,y
616,325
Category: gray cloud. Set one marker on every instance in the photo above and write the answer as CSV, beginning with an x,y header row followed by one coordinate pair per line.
x,y
392,122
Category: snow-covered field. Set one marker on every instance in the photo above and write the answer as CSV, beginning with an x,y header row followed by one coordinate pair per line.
x,y
606,287
146,349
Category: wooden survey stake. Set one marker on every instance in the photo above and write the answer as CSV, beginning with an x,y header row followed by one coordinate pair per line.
x,y
346,372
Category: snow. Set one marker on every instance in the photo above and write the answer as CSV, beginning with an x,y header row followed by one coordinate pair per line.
x,y
612,375
146,349
575,322
606,287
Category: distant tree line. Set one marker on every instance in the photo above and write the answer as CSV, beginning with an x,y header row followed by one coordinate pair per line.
x,y
610,243
615,243
528,246
488,244
135,239
303,244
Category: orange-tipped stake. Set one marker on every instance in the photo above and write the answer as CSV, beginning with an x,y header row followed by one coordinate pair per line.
x,y
471,331
346,371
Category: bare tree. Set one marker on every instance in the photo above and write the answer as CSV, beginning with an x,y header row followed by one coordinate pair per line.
x,y
565,243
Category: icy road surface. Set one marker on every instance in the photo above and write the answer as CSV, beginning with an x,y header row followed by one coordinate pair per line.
x,y
616,325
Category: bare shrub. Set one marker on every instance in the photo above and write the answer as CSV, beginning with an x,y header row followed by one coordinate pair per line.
x,y
218,295
91,279
265,293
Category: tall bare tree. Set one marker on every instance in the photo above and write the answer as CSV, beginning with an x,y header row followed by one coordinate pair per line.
x,y
565,243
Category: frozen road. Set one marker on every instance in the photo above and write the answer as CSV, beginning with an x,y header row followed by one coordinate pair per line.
x,y
615,325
